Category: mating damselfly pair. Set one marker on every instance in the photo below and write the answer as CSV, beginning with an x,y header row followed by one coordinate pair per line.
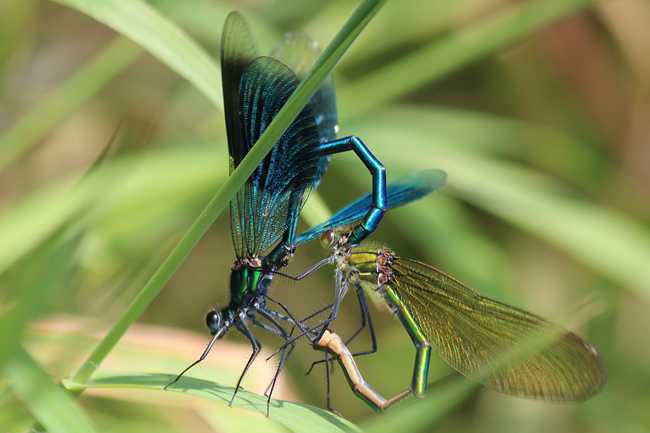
x,y
500,346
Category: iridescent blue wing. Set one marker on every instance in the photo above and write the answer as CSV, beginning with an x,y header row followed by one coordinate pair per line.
x,y
268,205
400,192
271,199
237,52
299,52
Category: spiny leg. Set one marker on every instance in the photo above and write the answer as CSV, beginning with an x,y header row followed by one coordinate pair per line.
x,y
366,320
283,358
328,387
300,324
285,355
242,326
311,316
342,283
290,319
203,356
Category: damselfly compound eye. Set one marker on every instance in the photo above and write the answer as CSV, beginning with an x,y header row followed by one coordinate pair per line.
x,y
327,239
213,320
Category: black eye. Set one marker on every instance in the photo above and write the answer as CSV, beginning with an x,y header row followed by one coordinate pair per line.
x,y
213,320
327,239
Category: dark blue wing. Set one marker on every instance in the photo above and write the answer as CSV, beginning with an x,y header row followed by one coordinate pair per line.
x,y
400,192
237,52
299,52
271,199
254,90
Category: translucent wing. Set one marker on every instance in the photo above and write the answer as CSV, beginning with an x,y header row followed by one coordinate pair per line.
x,y
400,192
502,347
273,196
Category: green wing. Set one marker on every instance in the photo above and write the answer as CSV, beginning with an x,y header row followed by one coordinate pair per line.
x,y
501,347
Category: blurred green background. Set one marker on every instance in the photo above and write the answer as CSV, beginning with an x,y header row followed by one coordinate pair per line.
x,y
539,111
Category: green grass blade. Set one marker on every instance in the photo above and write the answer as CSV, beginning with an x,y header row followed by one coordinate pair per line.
x,y
452,52
296,417
117,190
29,222
50,405
66,98
34,282
608,241
143,24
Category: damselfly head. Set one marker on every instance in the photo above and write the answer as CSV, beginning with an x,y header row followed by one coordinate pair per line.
x,y
219,321
335,240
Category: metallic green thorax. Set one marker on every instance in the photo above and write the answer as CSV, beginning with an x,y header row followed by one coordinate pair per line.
x,y
248,277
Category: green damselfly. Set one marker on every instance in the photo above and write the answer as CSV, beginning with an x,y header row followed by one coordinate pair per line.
x,y
500,346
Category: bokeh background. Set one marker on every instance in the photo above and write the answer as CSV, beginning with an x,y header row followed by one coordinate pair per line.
x,y
539,111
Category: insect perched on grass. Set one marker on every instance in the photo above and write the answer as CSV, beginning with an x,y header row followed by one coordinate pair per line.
x,y
265,210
